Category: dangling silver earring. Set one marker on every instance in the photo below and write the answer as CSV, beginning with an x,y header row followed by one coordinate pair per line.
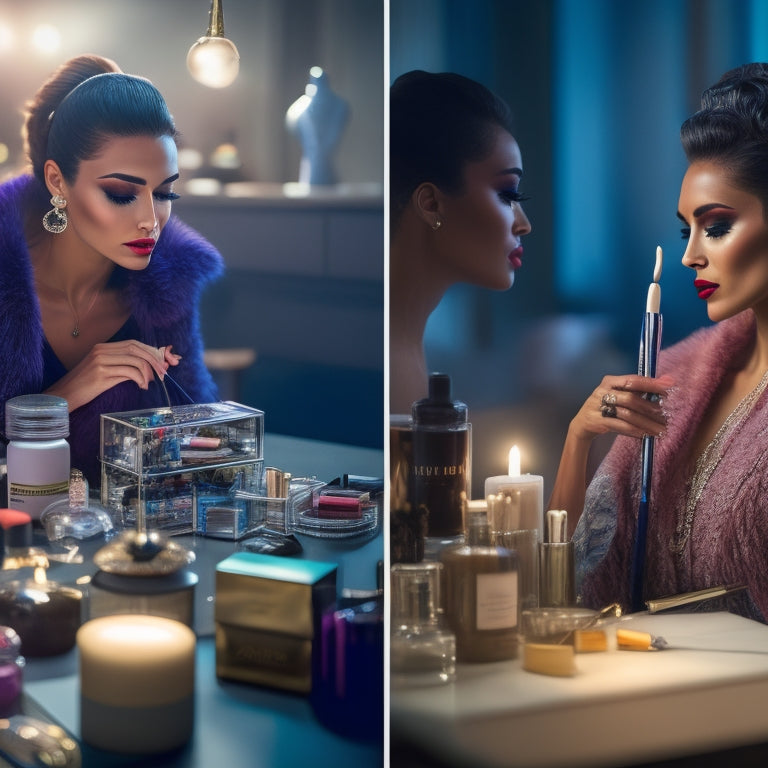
x,y
437,224
55,220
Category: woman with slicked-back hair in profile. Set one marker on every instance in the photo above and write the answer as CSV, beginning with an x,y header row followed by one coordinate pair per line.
x,y
455,203
99,285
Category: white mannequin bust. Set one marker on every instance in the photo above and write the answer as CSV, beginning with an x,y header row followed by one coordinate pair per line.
x,y
318,118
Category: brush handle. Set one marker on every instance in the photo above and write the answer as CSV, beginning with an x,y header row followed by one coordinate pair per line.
x,y
650,344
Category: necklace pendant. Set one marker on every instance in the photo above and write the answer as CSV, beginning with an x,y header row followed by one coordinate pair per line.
x,y
75,331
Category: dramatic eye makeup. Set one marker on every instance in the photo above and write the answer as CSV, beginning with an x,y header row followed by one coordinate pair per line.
x,y
511,194
121,197
719,228
125,195
716,220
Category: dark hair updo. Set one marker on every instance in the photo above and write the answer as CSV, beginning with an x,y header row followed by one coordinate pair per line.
x,y
84,103
438,123
731,128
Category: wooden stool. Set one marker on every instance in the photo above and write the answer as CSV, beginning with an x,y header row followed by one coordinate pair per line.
x,y
226,367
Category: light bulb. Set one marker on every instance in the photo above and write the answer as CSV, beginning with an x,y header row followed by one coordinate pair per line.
x,y
213,61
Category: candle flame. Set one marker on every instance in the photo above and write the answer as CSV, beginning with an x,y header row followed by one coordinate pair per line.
x,y
514,461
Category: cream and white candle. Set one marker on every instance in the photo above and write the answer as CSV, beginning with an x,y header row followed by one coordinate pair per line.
x,y
516,518
525,508
137,683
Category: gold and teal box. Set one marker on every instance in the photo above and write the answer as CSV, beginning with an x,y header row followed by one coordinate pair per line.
x,y
267,613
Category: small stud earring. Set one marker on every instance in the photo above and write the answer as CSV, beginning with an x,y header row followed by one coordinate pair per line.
x,y
437,224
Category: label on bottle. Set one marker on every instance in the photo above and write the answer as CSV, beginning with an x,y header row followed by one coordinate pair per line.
x,y
440,477
33,499
18,491
496,600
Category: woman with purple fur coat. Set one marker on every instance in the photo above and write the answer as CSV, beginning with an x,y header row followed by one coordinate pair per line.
x,y
100,285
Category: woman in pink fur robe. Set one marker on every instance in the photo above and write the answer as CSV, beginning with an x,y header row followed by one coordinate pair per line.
x,y
708,518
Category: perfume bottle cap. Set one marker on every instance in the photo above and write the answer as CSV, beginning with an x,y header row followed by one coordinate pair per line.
x,y
36,417
438,409
476,520
15,528
557,526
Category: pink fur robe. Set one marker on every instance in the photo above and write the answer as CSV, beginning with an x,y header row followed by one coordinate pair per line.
x,y
728,543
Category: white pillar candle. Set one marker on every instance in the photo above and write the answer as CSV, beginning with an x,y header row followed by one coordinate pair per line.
x,y
525,508
137,683
516,517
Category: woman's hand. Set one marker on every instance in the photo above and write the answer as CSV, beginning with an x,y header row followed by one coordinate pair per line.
x,y
109,364
621,404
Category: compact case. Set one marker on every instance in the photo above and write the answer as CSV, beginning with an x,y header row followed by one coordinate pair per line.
x,y
268,614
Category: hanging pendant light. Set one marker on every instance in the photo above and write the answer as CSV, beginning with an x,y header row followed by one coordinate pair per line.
x,y
213,60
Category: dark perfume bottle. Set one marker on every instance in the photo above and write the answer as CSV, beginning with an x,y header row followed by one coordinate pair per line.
x,y
481,594
441,458
347,693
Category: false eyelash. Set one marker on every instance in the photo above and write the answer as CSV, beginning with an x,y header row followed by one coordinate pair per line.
x,y
718,229
162,197
167,196
510,196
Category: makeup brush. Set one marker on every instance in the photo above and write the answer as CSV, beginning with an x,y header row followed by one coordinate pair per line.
x,y
650,343
635,640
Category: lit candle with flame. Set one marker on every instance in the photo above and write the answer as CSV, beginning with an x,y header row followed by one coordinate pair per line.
x,y
137,683
526,493
516,519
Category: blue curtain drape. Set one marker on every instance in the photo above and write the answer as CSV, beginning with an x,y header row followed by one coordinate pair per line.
x,y
599,89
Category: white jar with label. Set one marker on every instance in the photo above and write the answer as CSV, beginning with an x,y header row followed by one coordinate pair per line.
x,y
38,454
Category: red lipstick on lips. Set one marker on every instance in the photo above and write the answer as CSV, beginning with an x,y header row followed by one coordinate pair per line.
x,y
705,288
142,246
516,258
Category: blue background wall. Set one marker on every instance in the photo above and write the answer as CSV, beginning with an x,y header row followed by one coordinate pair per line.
x,y
599,89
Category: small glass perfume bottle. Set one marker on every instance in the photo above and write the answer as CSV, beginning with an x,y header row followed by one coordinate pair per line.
x,y
421,651
481,593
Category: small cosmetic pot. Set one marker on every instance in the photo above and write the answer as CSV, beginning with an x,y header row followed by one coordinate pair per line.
x,y
171,596
555,625
45,615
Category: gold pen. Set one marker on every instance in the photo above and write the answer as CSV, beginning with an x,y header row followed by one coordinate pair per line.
x,y
675,601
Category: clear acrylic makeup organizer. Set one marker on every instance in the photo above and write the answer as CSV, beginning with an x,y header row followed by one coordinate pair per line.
x,y
165,468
